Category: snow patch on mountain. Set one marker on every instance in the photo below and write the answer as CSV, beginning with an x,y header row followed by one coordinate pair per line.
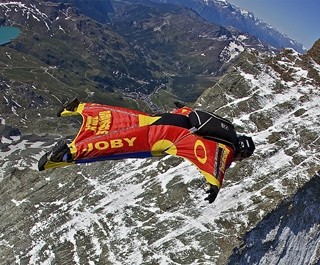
x,y
231,51
30,11
26,10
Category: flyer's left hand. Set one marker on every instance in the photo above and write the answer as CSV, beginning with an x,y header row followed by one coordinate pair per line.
x,y
212,193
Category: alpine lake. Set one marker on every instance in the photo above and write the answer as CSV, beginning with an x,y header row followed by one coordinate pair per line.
x,y
7,34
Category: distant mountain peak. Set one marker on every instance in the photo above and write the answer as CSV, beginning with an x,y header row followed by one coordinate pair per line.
x,y
226,14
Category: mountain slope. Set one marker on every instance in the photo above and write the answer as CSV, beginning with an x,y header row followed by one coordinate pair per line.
x,y
152,211
291,228
68,54
67,46
190,50
96,9
278,103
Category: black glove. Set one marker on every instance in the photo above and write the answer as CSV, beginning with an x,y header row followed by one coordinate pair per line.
x,y
213,192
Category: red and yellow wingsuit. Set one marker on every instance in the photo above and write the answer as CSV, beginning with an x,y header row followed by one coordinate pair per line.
x,y
111,133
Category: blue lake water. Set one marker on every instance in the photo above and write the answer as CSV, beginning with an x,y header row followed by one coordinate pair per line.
x,y
7,34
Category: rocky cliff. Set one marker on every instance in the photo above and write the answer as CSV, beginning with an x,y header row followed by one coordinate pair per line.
x,y
288,235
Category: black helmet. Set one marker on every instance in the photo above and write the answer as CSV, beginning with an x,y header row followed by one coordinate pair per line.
x,y
245,147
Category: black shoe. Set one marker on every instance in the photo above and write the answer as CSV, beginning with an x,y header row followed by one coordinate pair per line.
x,y
59,151
42,162
70,106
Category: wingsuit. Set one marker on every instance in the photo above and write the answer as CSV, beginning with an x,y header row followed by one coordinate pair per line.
x,y
107,132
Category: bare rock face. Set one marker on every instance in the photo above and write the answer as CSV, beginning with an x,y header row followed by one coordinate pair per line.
x,y
7,131
293,225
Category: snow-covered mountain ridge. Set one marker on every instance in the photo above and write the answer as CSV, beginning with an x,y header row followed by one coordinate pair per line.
x,y
226,14
282,111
